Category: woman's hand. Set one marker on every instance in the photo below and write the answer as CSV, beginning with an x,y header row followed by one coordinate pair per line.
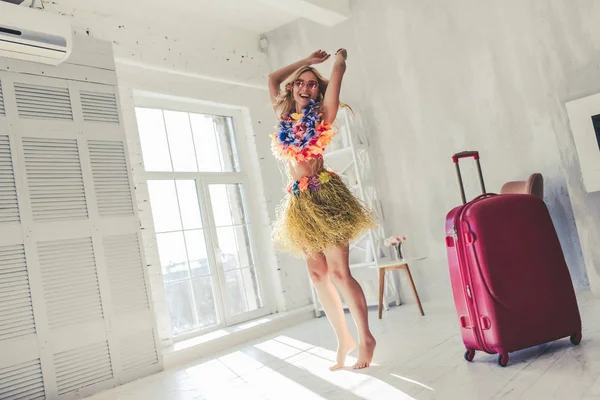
x,y
317,57
341,54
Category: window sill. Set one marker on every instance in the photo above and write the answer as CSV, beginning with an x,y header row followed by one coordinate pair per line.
x,y
210,343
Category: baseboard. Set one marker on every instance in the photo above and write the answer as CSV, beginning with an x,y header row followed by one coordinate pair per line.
x,y
212,343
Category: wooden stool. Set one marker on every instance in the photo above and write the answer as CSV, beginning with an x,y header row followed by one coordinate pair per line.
x,y
391,266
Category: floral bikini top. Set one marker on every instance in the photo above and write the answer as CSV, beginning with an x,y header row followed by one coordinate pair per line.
x,y
302,137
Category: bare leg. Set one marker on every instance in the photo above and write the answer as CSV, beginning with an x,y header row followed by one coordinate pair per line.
x,y
332,305
338,264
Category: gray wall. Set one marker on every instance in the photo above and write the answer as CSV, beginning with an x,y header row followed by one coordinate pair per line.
x,y
431,78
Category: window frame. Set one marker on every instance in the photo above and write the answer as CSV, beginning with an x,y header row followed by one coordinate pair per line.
x,y
245,176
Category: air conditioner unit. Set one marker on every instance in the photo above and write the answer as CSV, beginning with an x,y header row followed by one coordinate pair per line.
x,y
34,35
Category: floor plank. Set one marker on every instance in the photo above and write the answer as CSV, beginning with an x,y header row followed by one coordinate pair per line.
x,y
417,358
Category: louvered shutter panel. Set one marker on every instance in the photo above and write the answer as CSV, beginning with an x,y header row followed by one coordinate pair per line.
x,y
22,381
2,112
55,181
81,367
73,298
9,208
111,178
70,282
16,310
43,102
99,107
125,273
138,350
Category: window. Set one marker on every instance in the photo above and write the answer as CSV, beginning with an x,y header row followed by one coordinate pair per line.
x,y
177,141
201,218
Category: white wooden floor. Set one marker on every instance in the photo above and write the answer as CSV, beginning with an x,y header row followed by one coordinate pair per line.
x,y
417,358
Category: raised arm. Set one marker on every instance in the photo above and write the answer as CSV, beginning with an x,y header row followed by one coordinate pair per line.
x,y
331,101
280,75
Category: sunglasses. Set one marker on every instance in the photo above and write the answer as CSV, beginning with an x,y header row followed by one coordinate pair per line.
x,y
299,83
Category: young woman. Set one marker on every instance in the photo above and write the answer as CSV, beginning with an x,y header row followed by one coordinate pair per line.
x,y
319,216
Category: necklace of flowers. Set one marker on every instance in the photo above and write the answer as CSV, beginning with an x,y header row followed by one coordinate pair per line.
x,y
301,137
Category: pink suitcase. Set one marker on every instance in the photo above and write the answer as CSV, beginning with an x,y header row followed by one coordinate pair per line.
x,y
511,285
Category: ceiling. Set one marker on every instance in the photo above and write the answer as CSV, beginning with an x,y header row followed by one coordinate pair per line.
x,y
256,16
252,15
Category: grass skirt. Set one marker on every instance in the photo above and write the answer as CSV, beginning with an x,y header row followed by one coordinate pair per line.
x,y
313,219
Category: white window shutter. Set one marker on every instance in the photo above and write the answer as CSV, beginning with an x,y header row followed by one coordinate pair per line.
x,y
99,107
43,102
2,112
81,367
138,350
9,209
126,273
55,180
22,381
70,282
111,178
16,309
20,367
76,315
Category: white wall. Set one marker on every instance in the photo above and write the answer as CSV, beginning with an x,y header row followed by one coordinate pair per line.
x,y
198,60
167,38
433,78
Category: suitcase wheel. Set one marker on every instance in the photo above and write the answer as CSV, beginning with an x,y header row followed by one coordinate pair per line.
x,y
503,360
576,338
469,355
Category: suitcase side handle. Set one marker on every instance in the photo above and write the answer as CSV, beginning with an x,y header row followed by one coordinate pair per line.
x,y
467,154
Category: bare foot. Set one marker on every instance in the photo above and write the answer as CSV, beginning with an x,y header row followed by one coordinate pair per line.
x,y
365,353
345,346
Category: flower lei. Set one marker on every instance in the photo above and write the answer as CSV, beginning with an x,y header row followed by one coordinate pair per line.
x,y
310,183
301,137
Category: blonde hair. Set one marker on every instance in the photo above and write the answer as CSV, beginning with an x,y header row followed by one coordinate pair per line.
x,y
284,102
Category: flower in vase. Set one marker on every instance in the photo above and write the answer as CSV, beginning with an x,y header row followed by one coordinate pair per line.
x,y
394,240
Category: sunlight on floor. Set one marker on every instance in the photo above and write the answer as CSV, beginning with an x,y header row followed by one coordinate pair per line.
x,y
294,343
412,381
278,349
264,380
317,362
241,363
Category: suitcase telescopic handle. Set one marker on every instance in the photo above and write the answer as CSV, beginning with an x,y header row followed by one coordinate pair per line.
x,y
467,154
